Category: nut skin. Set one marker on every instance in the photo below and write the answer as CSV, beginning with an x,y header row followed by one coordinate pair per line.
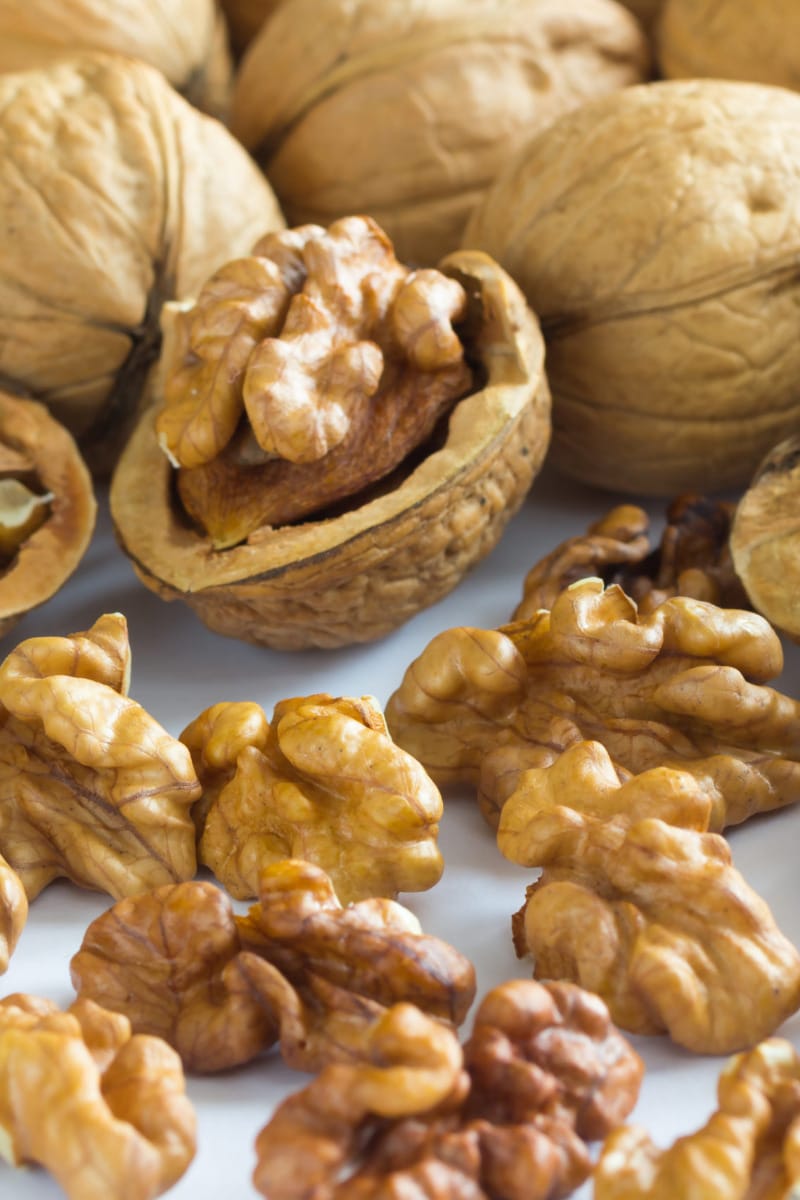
x,y
722,41
364,571
748,1146
298,968
765,537
324,781
683,686
657,280
91,787
103,1111
408,111
638,903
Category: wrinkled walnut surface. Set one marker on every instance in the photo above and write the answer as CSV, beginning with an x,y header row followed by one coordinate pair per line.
x,y
13,911
654,232
638,903
684,686
322,781
723,41
103,1111
408,110
91,786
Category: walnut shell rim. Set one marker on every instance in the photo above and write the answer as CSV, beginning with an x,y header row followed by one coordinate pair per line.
x,y
355,577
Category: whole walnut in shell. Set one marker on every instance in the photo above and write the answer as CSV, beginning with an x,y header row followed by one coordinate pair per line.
x,y
245,18
185,39
730,39
115,195
655,233
407,111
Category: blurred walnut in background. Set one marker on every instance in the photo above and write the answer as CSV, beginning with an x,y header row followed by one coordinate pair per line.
x,y
731,39
245,18
406,111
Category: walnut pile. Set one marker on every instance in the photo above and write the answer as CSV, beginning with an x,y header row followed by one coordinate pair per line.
x,y
692,559
638,903
104,1111
299,968
683,686
749,1147
91,787
322,781
543,1072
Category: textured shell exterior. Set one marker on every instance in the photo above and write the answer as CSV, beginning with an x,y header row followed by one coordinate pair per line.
x,y
655,233
734,39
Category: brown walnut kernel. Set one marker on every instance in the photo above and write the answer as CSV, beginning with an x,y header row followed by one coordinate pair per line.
x,y
638,903
692,559
749,1147
322,781
543,1071
682,686
91,787
303,374
104,1111
299,968
13,912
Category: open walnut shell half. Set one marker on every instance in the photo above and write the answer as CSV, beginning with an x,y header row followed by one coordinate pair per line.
x,y
331,580
47,507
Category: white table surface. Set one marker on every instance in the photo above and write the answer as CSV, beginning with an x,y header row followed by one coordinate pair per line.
x,y
179,668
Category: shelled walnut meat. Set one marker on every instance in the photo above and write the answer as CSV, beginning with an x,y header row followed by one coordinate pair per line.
x,y
115,195
322,781
184,39
91,787
655,232
684,686
407,111
105,1112
298,968
47,507
338,438
13,912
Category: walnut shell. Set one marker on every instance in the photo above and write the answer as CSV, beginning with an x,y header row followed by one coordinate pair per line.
x,y
115,195
646,11
406,112
185,39
655,232
731,39
245,18
32,443
356,576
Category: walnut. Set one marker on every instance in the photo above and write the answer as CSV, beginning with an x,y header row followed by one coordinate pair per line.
x,y
13,912
348,437
47,507
322,781
721,40
542,1064
91,787
103,1111
245,18
409,114
765,537
692,559
131,197
185,39
683,686
638,903
646,11
669,310
299,967
748,1146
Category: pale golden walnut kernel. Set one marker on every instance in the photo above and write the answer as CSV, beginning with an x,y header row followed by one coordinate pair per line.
x,y
765,537
322,781
91,787
185,39
692,558
115,195
299,968
408,112
683,686
669,310
304,374
13,912
749,1147
103,1111
637,903
723,40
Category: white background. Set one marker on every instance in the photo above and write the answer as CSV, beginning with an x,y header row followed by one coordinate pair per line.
x,y
179,668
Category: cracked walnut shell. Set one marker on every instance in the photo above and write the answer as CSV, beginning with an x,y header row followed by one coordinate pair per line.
x,y
356,572
655,233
